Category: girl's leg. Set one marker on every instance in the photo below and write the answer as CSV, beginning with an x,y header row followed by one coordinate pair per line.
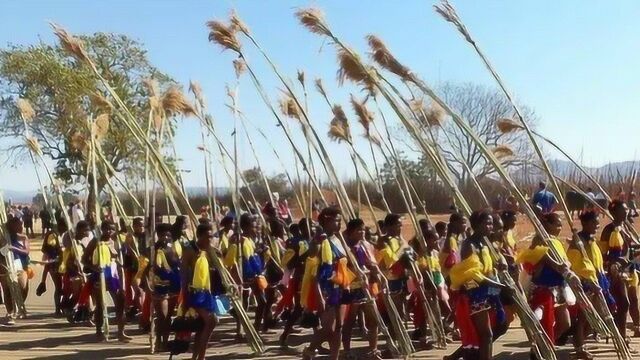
x,y
372,326
349,322
261,304
483,329
563,321
634,311
57,291
619,292
23,281
118,301
98,314
202,337
162,312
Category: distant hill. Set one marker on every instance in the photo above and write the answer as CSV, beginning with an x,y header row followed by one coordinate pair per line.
x,y
613,171
18,197
25,197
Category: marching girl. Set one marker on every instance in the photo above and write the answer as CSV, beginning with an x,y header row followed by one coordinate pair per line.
x,y
333,278
99,257
356,297
478,309
166,282
615,243
590,270
549,295
294,259
52,255
250,271
390,249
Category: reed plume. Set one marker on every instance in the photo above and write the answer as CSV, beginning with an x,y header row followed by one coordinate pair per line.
x,y
223,35
237,24
351,67
100,102
196,89
101,126
175,103
502,151
26,110
365,117
506,125
339,129
313,19
381,55
289,108
239,66
71,44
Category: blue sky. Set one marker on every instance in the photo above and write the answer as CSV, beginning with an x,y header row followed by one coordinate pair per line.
x,y
574,62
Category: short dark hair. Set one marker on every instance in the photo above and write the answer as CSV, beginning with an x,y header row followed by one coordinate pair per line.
x,y
441,226
507,214
391,219
227,220
588,216
138,221
478,217
455,217
246,219
203,229
328,213
615,205
354,224
82,224
107,224
163,227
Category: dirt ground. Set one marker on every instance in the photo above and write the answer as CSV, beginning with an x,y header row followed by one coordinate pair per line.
x,y
41,336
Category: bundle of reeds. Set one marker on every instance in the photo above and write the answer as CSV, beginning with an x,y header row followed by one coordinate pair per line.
x,y
165,175
448,12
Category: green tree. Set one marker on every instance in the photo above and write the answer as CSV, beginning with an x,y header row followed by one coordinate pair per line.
x,y
64,94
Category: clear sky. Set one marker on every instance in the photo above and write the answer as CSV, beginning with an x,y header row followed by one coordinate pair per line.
x,y
574,62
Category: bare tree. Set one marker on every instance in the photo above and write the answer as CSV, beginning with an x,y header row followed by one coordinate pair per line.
x,y
481,106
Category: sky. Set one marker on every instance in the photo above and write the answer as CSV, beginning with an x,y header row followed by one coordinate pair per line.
x,y
574,62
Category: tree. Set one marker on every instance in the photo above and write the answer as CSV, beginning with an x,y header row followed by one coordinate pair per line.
x,y
64,93
480,106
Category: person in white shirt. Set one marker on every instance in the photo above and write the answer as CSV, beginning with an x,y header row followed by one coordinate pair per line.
x,y
77,214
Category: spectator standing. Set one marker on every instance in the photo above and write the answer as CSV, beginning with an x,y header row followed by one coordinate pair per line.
x,y
27,220
544,199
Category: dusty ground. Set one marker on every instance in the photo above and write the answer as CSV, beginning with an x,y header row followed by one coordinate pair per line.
x,y
40,336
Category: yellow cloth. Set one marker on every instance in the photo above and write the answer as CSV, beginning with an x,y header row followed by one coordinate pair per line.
x,y
429,262
177,247
161,260
288,255
248,249
511,240
615,239
594,253
303,247
387,256
469,272
101,255
326,254
487,261
143,262
66,253
224,243
582,267
201,280
308,279
533,256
